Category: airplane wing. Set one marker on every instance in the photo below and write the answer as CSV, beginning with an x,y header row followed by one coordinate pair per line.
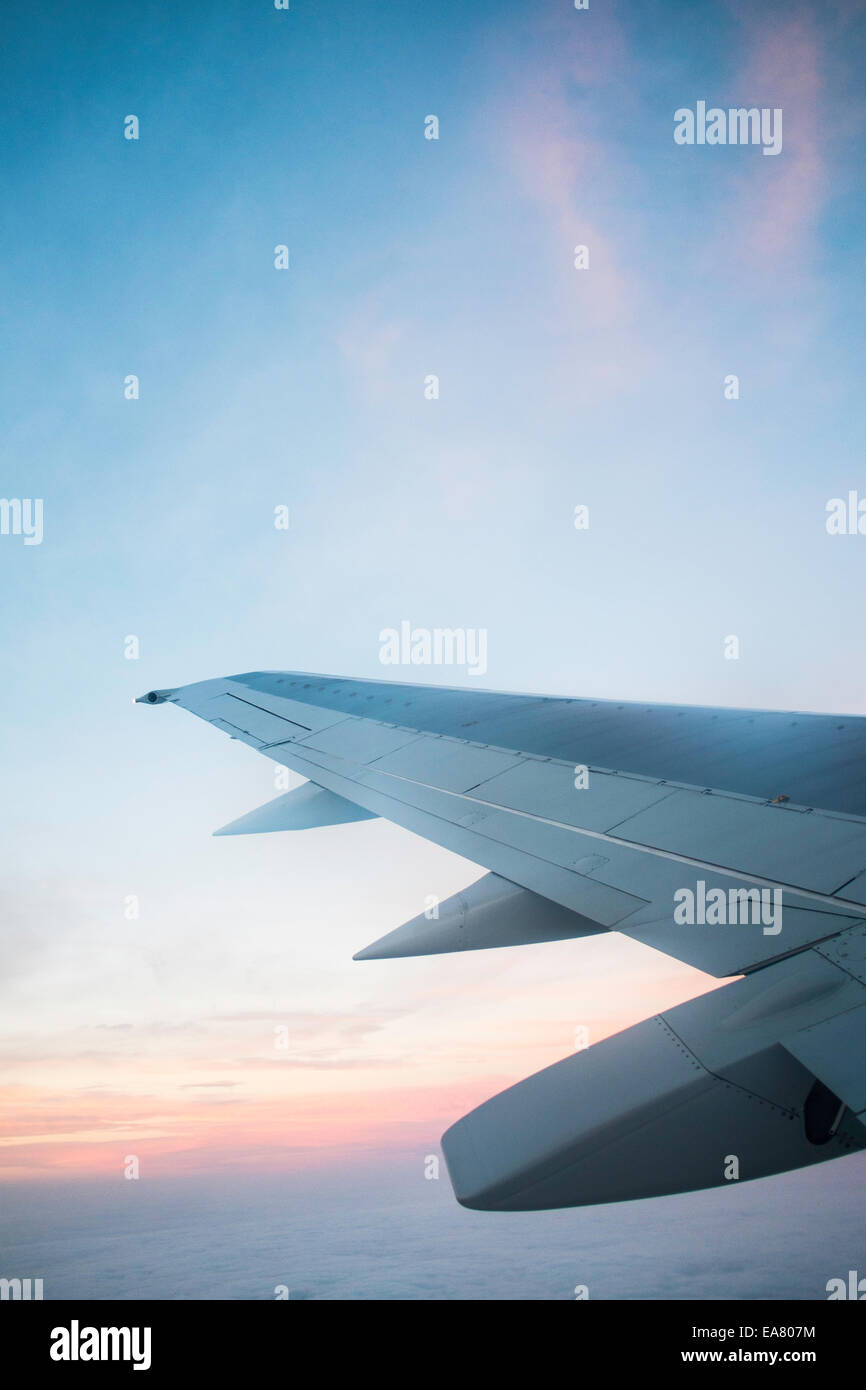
x,y
734,840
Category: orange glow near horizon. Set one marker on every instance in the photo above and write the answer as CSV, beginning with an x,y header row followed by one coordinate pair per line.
x,y
182,1109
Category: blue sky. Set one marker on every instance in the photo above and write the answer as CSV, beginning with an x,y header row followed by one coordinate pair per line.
x,y
306,388
410,256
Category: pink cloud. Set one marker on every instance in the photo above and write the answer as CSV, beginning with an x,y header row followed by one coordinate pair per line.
x,y
781,197
546,119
